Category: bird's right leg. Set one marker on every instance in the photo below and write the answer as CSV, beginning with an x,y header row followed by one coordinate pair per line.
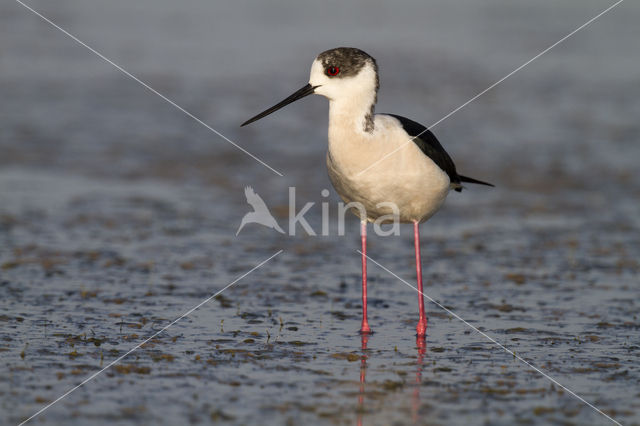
x,y
421,329
365,329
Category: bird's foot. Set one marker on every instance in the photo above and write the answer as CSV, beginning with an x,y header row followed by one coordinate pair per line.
x,y
365,329
421,328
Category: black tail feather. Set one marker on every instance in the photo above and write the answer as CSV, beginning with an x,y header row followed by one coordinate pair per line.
x,y
472,180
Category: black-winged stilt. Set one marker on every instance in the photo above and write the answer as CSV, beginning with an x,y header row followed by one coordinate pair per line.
x,y
370,160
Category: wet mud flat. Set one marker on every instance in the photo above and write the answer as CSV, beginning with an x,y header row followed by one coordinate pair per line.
x,y
105,266
118,214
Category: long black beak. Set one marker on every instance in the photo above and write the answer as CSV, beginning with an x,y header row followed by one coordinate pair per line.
x,y
305,91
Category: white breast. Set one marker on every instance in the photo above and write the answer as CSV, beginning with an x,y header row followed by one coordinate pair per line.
x,y
407,177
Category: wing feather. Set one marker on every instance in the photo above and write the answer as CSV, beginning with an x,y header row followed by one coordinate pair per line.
x,y
429,145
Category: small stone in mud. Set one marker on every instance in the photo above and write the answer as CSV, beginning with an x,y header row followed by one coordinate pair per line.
x,y
517,279
224,301
220,415
340,315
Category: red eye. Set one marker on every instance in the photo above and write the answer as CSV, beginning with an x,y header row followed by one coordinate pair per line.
x,y
333,71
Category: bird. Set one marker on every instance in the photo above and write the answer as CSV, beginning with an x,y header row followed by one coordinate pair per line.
x,y
377,160
260,213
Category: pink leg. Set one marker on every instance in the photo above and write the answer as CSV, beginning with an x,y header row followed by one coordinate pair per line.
x,y
365,324
422,321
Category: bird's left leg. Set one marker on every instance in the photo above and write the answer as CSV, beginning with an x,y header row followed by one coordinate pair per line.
x,y
421,328
365,329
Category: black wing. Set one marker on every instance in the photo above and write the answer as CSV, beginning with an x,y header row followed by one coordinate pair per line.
x,y
428,144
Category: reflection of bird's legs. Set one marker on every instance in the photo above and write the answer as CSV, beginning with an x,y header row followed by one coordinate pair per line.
x,y
421,328
421,344
363,374
365,329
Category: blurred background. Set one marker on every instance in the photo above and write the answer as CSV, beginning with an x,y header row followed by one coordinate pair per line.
x,y
66,109
116,207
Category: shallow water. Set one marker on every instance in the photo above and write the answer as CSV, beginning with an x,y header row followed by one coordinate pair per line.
x,y
118,214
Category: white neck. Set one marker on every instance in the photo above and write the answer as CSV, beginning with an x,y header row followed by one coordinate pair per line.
x,y
350,137
352,114
351,99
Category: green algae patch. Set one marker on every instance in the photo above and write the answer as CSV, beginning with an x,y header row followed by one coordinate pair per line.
x,y
540,410
351,357
163,357
392,385
298,343
130,368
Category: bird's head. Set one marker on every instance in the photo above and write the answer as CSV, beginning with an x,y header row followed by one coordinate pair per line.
x,y
345,72
341,73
